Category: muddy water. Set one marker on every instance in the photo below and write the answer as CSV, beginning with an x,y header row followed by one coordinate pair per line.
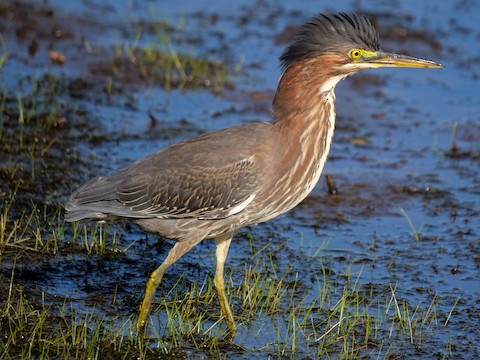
x,y
407,143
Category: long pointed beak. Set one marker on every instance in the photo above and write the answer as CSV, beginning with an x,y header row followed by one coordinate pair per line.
x,y
384,59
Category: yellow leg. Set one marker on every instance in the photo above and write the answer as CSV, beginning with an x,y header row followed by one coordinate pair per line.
x,y
223,243
179,249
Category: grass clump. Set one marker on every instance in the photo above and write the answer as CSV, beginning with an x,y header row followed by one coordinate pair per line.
x,y
282,315
280,312
30,329
163,67
34,162
162,62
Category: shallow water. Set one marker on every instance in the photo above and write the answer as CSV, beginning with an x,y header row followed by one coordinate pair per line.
x,y
391,153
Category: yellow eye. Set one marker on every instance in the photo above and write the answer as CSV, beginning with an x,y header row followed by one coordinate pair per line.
x,y
355,53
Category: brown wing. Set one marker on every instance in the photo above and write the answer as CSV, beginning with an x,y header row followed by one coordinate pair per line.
x,y
202,192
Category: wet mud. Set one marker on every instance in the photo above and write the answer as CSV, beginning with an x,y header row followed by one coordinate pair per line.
x,y
85,92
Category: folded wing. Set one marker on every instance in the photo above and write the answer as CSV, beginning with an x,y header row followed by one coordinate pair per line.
x,y
169,193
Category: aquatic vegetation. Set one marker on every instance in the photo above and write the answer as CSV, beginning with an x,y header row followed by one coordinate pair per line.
x,y
341,277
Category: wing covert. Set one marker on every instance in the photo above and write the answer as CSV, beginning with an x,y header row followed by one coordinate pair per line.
x,y
201,192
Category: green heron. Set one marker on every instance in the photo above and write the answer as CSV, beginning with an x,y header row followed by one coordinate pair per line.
x,y
214,184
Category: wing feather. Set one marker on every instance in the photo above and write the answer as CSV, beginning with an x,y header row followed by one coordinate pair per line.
x,y
206,193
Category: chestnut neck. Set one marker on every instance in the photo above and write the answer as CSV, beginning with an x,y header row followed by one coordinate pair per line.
x,y
303,90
